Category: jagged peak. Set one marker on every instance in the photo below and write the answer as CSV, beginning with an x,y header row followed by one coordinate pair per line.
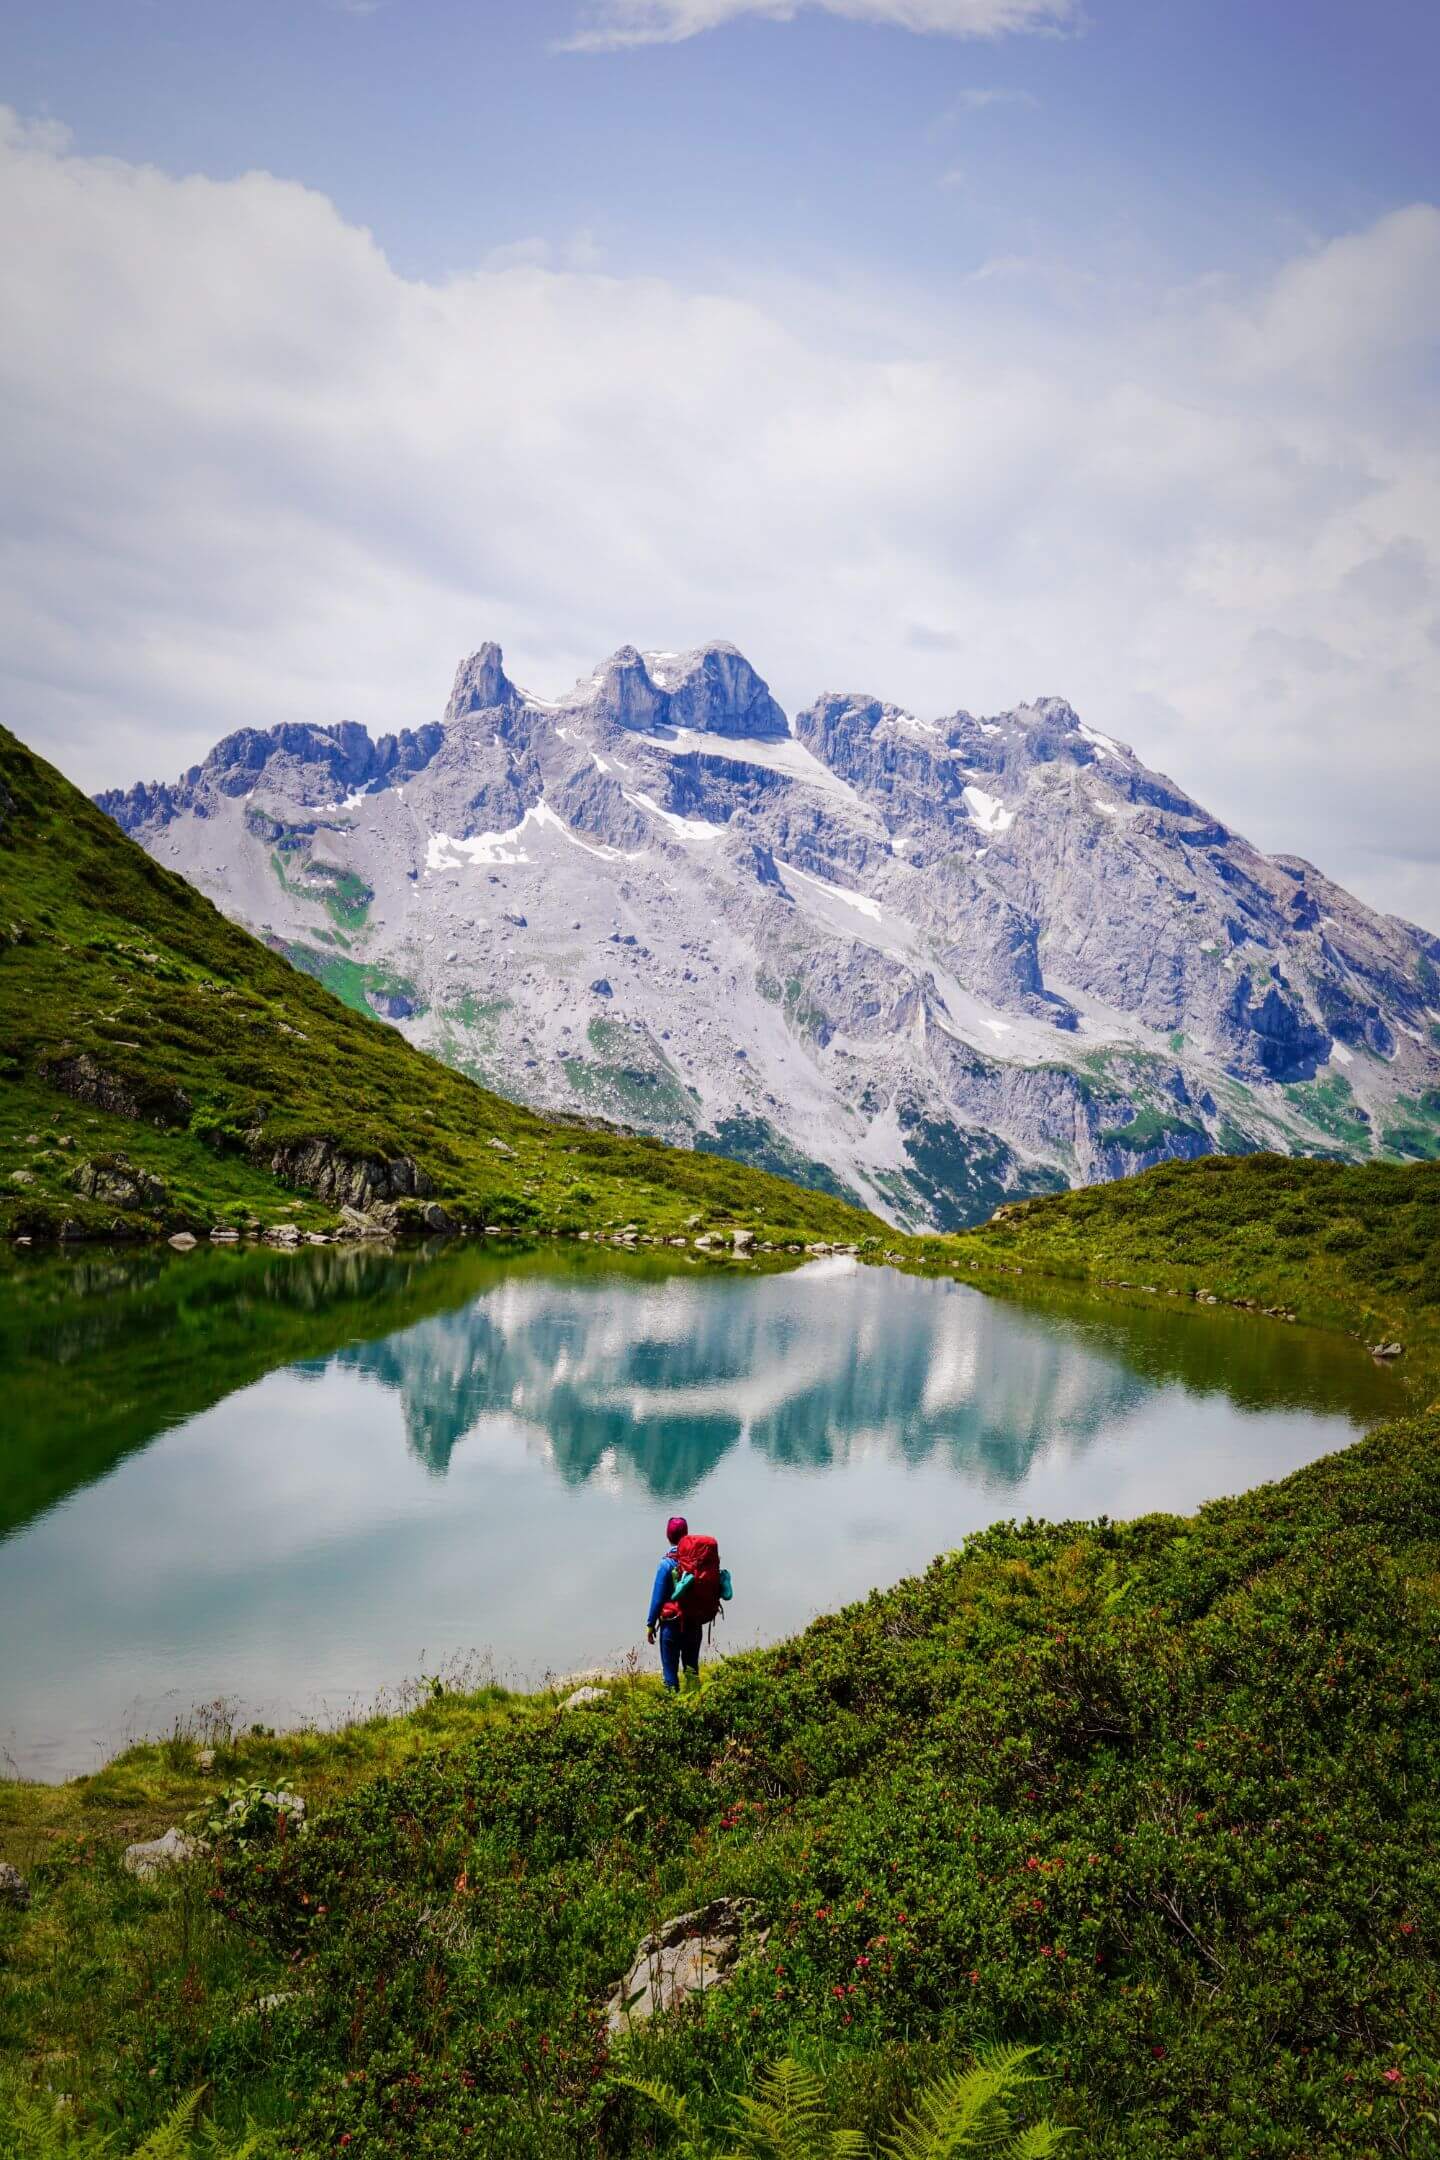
x,y
481,683
711,688
1058,710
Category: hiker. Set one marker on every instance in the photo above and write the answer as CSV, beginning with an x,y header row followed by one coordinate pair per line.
x,y
689,1587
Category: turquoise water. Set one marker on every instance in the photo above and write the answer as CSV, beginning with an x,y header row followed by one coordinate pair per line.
x,y
291,1481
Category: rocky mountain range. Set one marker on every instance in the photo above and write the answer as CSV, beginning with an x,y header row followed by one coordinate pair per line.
x,y
928,963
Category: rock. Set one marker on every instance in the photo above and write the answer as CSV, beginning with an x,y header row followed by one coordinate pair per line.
x,y
88,1082
285,1233
153,1856
742,1240
183,1242
115,1180
319,1167
435,1217
1388,1350
686,1956
584,1695
355,1223
22,1177
14,1890
205,1760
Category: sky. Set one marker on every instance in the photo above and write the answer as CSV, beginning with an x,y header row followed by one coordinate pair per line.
x,y
957,351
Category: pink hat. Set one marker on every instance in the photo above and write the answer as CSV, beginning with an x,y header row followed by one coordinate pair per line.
x,y
676,1528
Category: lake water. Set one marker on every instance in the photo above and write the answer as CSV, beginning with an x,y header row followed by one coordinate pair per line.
x,y
292,1480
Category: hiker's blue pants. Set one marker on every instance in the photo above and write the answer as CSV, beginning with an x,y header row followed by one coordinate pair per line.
x,y
680,1645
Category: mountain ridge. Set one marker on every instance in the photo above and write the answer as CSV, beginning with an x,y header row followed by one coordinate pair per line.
x,y
176,1074
928,963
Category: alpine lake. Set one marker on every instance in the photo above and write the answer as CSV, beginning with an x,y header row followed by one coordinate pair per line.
x,y
286,1485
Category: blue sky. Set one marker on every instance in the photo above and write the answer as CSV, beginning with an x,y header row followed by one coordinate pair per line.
x,y
1095,354
1157,136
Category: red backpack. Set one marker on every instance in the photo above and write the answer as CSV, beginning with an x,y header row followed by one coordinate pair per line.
x,y
699,1558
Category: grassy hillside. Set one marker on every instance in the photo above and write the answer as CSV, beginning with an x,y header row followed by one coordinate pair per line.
x,y
1158,1797
137,1022
1340,1246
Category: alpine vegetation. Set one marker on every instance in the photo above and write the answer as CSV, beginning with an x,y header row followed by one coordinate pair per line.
x,y
925,964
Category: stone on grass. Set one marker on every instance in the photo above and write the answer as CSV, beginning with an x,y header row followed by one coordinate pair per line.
x,y
14,1890
686,1956
153,1855
584,1695
183,1242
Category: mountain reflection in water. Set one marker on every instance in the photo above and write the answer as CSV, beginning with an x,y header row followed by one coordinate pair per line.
x,y
292,1479
663,1380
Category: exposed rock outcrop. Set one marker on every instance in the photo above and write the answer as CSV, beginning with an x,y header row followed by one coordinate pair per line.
x,y
686,1956
361,1182
115,1180
81,1075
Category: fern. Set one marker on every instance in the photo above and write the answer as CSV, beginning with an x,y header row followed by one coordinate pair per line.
x,y
676,2110
968,2111
171,2141
34,2132
786,2119
1037,2142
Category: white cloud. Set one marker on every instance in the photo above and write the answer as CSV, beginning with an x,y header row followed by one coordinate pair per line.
x,y
611,24
979,100
250,473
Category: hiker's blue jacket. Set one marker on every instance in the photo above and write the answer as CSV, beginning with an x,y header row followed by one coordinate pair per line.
x,y
664,1580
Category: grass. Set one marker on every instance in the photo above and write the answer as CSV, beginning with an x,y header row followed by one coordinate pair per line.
x,y
1154,1798
1353,1247
126,998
